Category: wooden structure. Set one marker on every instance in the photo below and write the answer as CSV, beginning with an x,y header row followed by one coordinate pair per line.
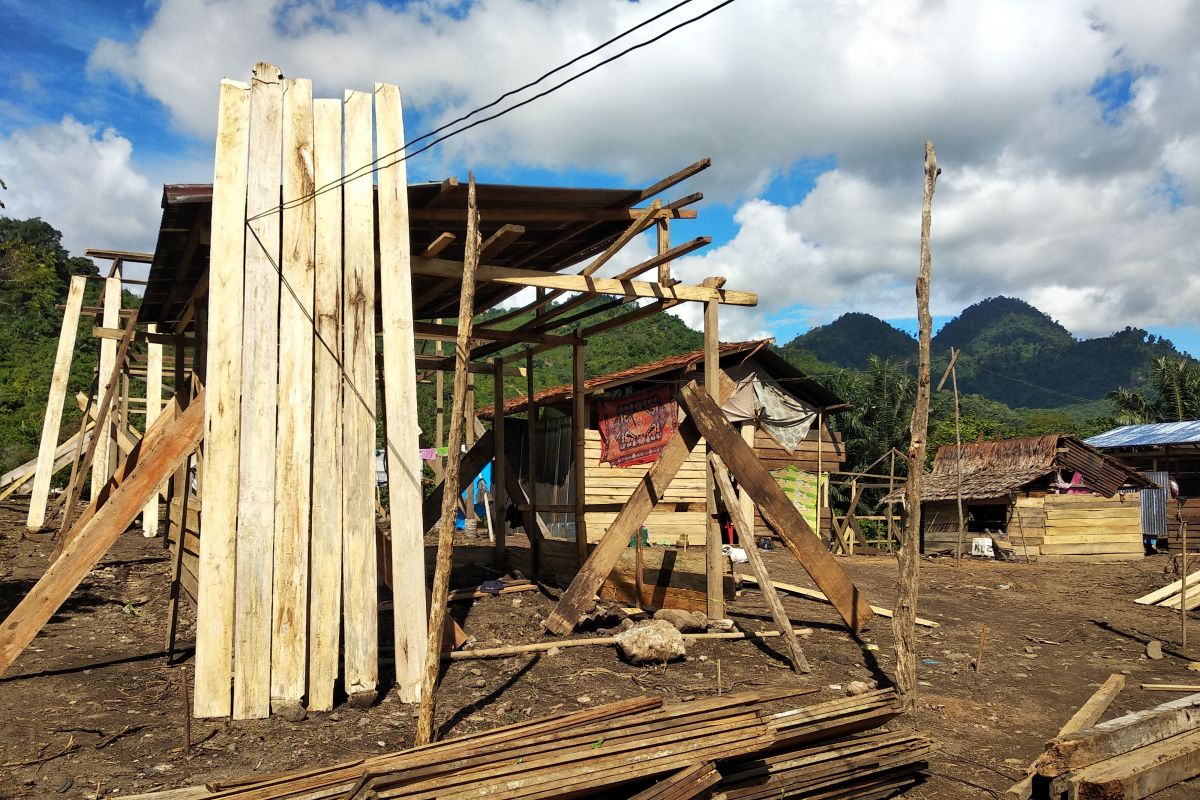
x,y
1051,497
1163,452
682,515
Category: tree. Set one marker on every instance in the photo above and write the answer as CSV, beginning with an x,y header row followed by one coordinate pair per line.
x,y
1174,394
882,399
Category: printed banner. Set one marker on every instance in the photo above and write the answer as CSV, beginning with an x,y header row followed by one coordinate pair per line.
x,y
635,429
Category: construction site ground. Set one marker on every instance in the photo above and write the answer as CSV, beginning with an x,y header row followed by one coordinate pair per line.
x,y
93,709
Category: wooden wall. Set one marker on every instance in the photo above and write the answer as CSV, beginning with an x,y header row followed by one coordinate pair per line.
x,y
1079,527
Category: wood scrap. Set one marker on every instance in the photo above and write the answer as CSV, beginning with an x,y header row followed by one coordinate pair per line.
x,y
813,594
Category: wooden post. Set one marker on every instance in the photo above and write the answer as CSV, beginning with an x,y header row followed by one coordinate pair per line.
x,y
531,517
469,439
439,424
744,498
891,488
54,405
441,574
664,244
579,424
820,491
1183,586
953,375
908,582
714,558
154,373
360,601
499,464
105,458
325,571
400,400
219,503
745,529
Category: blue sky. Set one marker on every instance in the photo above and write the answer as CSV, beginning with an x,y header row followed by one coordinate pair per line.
x,y
1067,133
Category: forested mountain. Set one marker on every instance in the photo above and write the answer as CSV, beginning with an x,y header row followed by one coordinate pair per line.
x,y
1012,353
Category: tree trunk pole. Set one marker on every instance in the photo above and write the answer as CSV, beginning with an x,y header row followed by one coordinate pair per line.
x,y
458,415
904,619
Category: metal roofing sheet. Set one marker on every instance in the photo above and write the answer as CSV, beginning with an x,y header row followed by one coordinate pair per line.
x,y
1156,434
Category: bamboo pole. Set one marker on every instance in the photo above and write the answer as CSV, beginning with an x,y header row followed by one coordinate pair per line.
x,y
908,583
441,574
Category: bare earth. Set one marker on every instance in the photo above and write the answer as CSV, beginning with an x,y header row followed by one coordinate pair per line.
x,y
92,709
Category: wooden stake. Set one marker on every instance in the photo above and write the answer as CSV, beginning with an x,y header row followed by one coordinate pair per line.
x,y
187,710
531,515
105,457
1183,585
742,525
441,574
54,406
154,369
499,464
979,657
908,582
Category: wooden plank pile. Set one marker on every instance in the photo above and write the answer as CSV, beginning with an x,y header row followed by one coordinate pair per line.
x,y
1090,528
1129,757
734,745
1171,595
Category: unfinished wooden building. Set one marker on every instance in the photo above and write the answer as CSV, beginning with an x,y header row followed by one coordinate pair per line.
x,y
302,285
1049,497
808,447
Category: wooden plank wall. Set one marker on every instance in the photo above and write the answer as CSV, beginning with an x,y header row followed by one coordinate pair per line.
x,y
286,570
773,455
1089,528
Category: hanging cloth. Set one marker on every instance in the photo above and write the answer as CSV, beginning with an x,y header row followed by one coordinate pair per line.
x,y
781,414
635,429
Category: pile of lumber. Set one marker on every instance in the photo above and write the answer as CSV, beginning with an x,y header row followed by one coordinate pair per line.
x,y
734,745
1088,528
1171,595
1128,757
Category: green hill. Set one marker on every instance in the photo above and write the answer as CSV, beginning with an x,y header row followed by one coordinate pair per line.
x,y
850,339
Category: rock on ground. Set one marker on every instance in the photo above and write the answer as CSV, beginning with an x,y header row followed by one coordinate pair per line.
x,y
683,621
652,641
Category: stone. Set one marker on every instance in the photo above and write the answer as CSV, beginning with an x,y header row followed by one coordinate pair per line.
x,y
652,641
1154,650
855,688
684,621
289,710
1194,666
480,683
583,700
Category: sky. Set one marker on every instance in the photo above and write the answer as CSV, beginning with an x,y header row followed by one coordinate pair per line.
x,y
1068,133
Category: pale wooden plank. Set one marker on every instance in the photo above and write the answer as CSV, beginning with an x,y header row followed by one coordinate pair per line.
x,y
157,455
260,356
104,460
359,576
325,593
1170,589
54,405
400,402
154,367
293,443
223,371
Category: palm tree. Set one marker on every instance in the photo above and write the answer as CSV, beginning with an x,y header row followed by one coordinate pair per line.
x,y
1174,394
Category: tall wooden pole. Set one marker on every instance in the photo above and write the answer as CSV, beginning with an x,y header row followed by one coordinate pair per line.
x,y
952,372
531,461
1183,587
579,424
904,618
715,559
458,415
820,441
439,424
499,464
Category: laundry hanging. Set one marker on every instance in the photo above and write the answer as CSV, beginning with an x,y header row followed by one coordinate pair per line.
x,y
635,429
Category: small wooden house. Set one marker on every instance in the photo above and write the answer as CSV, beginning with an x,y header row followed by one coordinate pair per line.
x,y
681,519
1051,497
1163,452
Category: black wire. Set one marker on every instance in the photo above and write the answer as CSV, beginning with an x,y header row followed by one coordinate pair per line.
x,y
376,165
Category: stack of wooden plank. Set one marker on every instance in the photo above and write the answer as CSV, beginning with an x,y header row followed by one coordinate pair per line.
x,y
1089,528
636,748
1128,757
1171,595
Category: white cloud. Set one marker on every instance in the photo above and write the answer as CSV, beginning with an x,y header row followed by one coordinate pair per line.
x,y
1090,215
81,180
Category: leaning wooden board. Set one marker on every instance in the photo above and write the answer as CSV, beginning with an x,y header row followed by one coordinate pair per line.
x,y
780,513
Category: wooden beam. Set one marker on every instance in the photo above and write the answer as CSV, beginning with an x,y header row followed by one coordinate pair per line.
x,y
714,558
435,248
676,178
154,337
499,241
745,529
588,284
448,333
104,459
579,426
325,571
162,449
499,468
441,575
48,445
120,255
400,404
774,505
154,375
813,594
554,215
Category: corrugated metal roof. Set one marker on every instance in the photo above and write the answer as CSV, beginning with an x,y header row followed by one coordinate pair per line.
x,y
1157,434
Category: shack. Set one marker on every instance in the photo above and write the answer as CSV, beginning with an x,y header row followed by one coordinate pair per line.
x,y
1052,497
1168,453
780,410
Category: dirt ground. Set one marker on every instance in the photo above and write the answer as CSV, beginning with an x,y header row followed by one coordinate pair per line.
x,y
92,709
